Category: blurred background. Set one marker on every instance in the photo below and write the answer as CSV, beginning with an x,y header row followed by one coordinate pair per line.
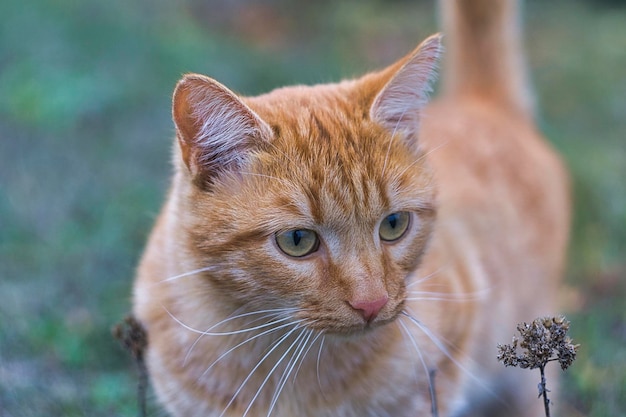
x,y
85,137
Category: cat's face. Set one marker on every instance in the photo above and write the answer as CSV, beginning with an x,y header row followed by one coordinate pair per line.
x,y
330,224
313,199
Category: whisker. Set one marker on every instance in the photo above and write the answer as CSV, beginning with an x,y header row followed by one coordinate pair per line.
x,y
292,363
190,273
421,158
431,387
407,344
281,180
250,329
393,135
271,323
293,360
269,374
455,300
317,365
426,278
208,331
191,329
276,148
266,332
444,296
272,311
273,348
439,344
307,351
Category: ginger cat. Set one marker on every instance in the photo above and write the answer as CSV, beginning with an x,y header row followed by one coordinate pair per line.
x,y
346,250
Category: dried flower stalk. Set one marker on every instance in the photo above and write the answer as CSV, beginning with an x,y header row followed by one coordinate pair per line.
x,y
542,341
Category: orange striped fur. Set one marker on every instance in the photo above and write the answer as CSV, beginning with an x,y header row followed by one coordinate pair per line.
x,y
360,324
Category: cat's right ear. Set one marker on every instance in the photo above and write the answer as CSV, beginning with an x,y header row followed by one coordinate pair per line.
x,y
216,130
399,104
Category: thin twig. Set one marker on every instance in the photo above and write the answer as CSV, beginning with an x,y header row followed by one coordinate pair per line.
x,y
543,391
132,336
433,394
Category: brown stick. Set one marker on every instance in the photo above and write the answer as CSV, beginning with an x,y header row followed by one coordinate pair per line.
x,y
543,391
433,394
132,336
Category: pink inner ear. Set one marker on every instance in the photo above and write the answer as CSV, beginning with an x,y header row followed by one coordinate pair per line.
x,y
399,104
216,129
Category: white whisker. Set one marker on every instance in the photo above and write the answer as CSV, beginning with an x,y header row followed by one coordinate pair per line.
x,y
445,296
271,323
457,300
276,148
281,180
273,311
317,365
431,387
426,278
271,372
290,365
274,347
190,273
439,344
421,158
266,332
307,351
250,329
191,329
393,135
208,332
406,342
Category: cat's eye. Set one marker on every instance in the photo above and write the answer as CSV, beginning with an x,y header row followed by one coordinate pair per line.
x,y
394,226
298,243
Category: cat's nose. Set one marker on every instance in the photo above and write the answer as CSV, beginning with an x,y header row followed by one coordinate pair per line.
x,y
369,309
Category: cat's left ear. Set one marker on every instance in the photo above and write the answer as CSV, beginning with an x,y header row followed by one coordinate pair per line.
x,y
399,104
217,132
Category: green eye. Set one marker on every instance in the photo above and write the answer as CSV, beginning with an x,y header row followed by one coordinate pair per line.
x,y
298,243
394,226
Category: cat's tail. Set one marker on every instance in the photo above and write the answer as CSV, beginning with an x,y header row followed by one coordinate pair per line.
x,y
484,54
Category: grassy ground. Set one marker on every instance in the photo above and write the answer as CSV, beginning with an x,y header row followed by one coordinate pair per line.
x,y
84,149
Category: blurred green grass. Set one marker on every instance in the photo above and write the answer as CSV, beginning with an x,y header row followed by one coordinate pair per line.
x,y
85,136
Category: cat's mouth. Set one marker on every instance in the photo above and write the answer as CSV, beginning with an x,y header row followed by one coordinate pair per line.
x,y
356,329
342,325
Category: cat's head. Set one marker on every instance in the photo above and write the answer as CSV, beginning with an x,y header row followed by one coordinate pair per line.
x,y
317,199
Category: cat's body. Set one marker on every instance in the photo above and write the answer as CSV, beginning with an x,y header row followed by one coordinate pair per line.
x,y
317,256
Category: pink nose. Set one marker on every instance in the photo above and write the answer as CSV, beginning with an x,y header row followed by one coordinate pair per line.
x,y
370,309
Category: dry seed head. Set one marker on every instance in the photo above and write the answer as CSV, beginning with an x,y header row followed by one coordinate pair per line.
x,y
542,341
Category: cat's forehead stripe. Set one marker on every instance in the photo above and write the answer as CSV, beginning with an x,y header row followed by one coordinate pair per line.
x,y
346,171
344,166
